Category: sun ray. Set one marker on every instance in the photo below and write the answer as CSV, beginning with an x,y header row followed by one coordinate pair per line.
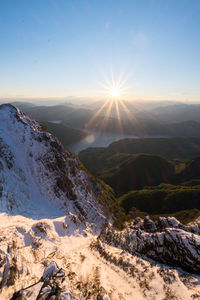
x,y
118,116
89,123
122,80
112,76
126,109
119,79
131,117
107,115
114,91
103,85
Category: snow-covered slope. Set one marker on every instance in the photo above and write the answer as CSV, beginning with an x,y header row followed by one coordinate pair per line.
x,y
38,177
91,269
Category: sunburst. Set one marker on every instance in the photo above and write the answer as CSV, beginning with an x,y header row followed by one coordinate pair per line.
x,y
114,89
114,94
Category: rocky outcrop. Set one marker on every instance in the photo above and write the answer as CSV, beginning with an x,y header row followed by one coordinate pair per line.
x,y
49,286
52,286
57,259
166,241
162,223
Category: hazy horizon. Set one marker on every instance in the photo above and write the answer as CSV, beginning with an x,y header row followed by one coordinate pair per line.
x,y
72,100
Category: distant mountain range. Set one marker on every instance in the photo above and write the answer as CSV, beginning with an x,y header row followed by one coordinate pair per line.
x,y
164,121
178,113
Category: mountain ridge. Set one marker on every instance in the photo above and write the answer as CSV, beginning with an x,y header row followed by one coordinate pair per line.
x,y
35,166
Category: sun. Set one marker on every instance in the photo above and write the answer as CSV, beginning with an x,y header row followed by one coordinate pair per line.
x,y
115,93
114,89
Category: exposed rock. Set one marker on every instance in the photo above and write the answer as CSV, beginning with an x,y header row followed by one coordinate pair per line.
x,y
166,241
52,286
149,225
39,177
49,286
172,222
44,260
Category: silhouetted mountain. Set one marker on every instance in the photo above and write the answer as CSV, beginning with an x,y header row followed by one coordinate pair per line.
x,y
124,168
68,114
177,113
191,170
137,122
134,172
64,133
125,172
166,147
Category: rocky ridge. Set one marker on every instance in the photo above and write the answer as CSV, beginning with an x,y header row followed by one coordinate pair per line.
x,y
51,286
48,287
39,177
88,268
166,241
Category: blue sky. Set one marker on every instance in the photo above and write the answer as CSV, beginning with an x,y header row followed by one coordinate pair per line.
x,y
60,48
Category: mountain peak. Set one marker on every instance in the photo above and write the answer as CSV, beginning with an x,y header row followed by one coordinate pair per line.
x,y
9,108
7,111
38,176
11,115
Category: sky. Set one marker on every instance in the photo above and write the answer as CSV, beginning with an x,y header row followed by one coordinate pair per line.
x,y
71,48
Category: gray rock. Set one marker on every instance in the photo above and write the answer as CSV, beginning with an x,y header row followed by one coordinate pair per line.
x,y
49,286
166,241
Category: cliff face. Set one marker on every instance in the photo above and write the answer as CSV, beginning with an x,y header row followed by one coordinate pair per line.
x,y
38,177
